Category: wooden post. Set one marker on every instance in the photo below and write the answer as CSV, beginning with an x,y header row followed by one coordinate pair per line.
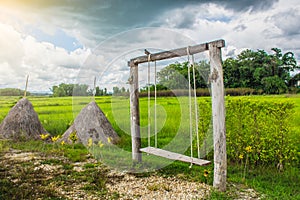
x,y
25,91
218,112
135,112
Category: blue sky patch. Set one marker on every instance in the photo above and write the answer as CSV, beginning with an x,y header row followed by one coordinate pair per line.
x,y
59,38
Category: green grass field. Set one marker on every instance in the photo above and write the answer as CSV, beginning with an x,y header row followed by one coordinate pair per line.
x,y
57,114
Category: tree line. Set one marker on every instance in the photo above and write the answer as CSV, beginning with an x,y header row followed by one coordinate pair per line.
x,y
256,70
64,90
12,92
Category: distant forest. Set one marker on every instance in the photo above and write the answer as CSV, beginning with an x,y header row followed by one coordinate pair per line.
x,y
251,72
12,92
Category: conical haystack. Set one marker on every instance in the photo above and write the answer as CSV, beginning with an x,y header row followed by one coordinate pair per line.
x,y
22,122
91,125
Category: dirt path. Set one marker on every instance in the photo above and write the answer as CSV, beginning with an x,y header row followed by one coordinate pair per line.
x,y
28,175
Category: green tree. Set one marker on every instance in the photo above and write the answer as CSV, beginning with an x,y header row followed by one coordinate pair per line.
x,y
116,90
274,85
175,76
260,70
64,89
12,92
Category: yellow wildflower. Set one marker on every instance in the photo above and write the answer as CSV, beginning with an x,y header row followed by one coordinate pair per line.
x,y
100,144
206,173
73,137
90,142
109,140
248,149
44,136
62,143
55,138
241,156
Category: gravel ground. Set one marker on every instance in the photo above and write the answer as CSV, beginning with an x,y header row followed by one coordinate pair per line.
x,y
119,185
155,187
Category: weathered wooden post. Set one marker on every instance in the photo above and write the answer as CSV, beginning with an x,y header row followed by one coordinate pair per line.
x,y
25,91
134,112
218,112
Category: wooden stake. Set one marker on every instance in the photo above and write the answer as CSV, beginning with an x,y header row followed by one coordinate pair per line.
x,y
25,91
94,89
218,112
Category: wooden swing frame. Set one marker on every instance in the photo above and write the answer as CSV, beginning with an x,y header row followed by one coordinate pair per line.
x,y
218,108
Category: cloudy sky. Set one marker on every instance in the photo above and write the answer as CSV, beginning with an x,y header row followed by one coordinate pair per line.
x,y
70,41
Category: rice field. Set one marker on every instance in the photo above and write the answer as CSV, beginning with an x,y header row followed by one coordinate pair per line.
x,y
57,114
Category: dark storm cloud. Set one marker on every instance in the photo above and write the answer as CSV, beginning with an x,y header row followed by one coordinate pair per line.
x,y
242,5
113,16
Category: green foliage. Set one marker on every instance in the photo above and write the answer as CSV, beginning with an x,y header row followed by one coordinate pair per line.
x,y
260,71
100,92
200,92
70,90
12,92
274,85
259,132
268,181
175,76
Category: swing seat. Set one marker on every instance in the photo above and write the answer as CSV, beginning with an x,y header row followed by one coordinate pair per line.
x,y
174,156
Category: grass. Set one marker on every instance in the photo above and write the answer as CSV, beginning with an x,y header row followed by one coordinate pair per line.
x,y
57,114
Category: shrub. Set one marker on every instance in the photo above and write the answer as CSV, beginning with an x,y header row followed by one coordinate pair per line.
x,y
260,131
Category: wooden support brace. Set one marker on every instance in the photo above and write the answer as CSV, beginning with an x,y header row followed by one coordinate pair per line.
x,y
178,52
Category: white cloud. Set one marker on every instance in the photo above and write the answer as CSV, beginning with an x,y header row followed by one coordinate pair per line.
x,y
11,45
45,63
276,27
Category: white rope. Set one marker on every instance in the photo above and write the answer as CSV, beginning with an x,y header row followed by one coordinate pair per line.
x,y
196,107
149,112
190,104
155,114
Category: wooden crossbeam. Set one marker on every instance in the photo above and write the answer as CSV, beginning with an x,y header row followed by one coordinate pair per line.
x,y
174,156
177,52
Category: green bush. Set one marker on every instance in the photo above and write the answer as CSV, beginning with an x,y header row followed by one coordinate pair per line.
x,y
200,92
259,132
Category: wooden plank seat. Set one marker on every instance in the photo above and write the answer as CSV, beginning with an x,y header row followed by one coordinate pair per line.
x,y
174,156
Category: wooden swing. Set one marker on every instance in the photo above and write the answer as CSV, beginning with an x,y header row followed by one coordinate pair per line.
x,y
218,106
161,152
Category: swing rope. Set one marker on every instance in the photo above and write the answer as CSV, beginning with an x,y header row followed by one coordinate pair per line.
x,y
149,112
155,103
196,107
190,104
149,104
192,64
